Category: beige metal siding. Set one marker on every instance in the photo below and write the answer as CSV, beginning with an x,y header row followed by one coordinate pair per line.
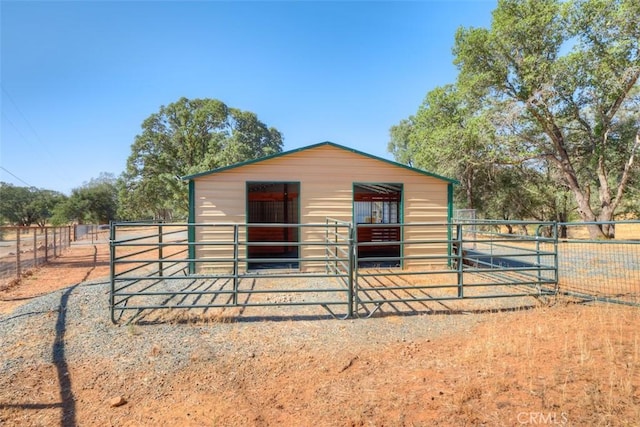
x,y
326,175
425,203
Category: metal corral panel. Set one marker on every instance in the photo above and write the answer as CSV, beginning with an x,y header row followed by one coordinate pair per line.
x,y
326,174
219,241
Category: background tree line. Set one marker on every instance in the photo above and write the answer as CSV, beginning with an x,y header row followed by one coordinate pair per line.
x,y
93,203
544,119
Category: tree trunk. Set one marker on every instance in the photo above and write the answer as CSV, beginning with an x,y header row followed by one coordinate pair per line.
x,y
563,161
608,230
587,215
562,217
469,189
562,234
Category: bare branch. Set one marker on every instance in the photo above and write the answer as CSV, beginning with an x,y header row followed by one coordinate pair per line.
x,y
626,173
634,74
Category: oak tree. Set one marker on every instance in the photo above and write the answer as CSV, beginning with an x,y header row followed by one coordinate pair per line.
x,y
183,138
562,81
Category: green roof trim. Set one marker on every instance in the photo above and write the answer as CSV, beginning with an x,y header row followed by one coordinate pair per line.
x,y
310,147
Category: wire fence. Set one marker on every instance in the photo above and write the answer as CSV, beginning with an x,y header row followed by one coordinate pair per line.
x,y
588,268
91,232
595,269
23,249
600,269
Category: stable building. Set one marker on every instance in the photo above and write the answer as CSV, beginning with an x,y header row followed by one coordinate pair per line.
x,y
309,185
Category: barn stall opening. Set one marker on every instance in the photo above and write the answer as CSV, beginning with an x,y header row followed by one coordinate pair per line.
x,y
308,185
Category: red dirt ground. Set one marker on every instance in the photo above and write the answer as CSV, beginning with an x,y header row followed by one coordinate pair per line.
x,y
79,263
568,364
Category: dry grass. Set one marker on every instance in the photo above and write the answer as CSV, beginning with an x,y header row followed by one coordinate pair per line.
x,y
624,231
207,317
575,363
566,365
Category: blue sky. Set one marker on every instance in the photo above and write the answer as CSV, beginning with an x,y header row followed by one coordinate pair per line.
x,y
78,78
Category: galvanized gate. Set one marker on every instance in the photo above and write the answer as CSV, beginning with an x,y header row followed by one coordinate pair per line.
x,y
350,270
460,261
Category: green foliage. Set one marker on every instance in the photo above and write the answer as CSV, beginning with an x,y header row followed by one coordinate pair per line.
x,y
96,202
546,103
183,138
25,206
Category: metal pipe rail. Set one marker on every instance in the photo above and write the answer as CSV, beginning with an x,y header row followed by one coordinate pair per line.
x,y
225,279
201,266
459,274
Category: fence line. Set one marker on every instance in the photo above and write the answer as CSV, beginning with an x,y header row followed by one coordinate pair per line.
x,y
483,263
602,269
347,269
605,270
93,232
158,266
26,248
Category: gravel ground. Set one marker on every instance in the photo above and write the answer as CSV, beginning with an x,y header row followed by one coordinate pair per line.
x,y
72,326
64,362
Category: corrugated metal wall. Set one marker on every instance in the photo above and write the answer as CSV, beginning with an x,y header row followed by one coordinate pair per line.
x,y
326,175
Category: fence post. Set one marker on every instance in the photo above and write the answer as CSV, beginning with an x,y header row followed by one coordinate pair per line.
x,y
35,248
460,256
327,248
55,253
351,298
191,241
112,269
18,271
555,256
46,244
160,265
336,252
236,235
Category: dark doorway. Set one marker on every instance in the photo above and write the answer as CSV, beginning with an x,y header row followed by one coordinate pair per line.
x,y
273,203
376,207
